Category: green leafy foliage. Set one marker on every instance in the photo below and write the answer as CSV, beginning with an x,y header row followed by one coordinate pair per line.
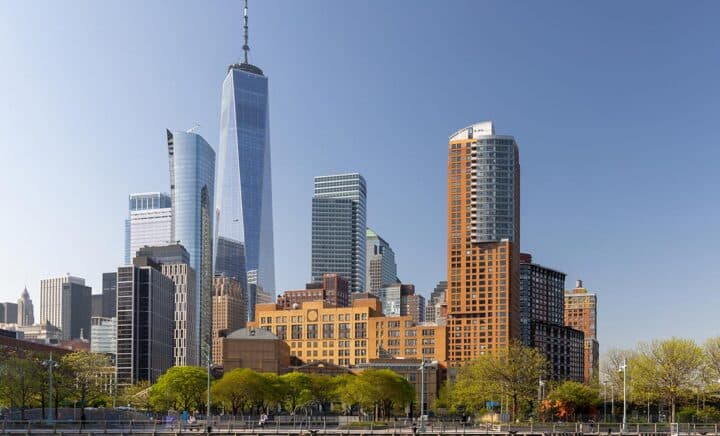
x,y
180,388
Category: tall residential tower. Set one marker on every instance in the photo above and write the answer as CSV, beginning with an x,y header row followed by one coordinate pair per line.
x,y
338,228
483,242
244,188
581,314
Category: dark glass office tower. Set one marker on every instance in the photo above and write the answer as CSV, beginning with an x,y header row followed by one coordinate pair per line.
x,y
144,325
109,292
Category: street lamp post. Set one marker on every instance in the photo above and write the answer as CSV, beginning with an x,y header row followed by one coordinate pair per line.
x,y
423,365
612,401
50,364
604,401
541,385
623,368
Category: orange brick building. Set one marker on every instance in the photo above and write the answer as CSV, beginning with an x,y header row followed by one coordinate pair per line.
x,y
581,314
483,291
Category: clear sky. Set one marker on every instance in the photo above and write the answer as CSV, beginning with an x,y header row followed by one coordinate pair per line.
x,y
615,106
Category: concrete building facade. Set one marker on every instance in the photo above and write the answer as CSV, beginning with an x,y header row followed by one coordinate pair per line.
x,y
381,268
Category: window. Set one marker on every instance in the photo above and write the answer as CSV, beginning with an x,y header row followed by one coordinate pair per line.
x,y
296,331
344,331
328,331
360,329
312,331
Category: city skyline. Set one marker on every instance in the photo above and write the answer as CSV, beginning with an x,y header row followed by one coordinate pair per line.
x,y
593,181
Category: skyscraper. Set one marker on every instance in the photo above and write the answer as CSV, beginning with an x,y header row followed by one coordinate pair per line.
x,y
65,303
109,292
380,265
174,262
144,324
581,314
228,312
483,242
192,181
8,313
26,314
149,223
244,187
338,228
437,300
542,320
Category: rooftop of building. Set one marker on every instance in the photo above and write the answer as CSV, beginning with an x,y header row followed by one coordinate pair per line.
x,y
249,68
252,333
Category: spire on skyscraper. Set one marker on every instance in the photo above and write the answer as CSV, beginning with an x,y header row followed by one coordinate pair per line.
x,y
246,47
245,64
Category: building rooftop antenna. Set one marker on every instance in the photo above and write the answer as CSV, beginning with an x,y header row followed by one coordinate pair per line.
x,y
246,47
193,129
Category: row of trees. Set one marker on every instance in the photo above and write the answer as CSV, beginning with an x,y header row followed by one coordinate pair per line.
x,y
670,373
79,378
380,392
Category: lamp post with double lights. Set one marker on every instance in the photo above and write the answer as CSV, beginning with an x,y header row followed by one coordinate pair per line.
x,y
50,364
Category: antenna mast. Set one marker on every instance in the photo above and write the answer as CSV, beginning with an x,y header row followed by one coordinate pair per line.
x,y
246,47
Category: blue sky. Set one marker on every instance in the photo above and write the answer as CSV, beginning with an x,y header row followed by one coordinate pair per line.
x,y
615,107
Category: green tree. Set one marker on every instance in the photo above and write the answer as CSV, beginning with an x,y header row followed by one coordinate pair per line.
x,y
511,373
182,387
20,381
572,400
87,376
297,391
323,389
239,389
381,390
670,369
136,396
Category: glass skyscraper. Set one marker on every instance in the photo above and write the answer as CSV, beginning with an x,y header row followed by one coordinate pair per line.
x,y
244,191
338,228
149,223
192,182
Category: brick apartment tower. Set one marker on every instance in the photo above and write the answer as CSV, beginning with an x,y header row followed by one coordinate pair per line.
x,y
483,292
581,314
229,312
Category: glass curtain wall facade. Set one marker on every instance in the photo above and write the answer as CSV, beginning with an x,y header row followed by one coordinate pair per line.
x,y
150,222
244,188
339,228
144,324
192,182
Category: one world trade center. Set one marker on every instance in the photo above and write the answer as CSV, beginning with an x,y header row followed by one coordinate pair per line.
x,y
244,218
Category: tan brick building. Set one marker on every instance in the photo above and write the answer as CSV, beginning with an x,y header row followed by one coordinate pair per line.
x,y
228,313
256,349
348,336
